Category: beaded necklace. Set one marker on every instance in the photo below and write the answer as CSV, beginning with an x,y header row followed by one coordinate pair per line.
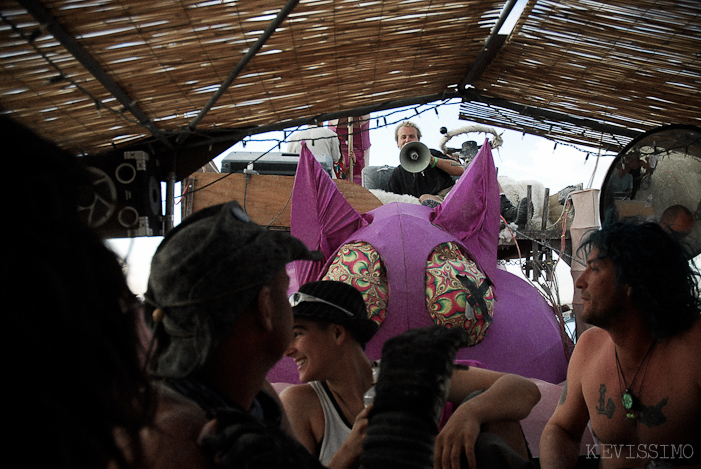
x,y
630,402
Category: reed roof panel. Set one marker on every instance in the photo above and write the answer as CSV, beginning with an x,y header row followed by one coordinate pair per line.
x,y
633,65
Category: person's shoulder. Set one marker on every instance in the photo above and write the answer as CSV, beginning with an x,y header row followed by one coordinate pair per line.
x,y
173,442
592,340
305,412
692,336
297,393
327,131
396,174
302,400
178,413
593,334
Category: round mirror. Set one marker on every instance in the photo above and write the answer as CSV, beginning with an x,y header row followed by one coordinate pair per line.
x,y
657,177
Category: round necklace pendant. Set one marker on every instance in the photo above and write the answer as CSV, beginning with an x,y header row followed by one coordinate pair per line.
x,y
627,400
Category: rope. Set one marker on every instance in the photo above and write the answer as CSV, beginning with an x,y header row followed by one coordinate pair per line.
x,y
495,143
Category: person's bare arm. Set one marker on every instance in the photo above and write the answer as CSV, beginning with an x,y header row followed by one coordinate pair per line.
x,y
450,166
301,402
562,435
268,388
559,442
505,397
297,401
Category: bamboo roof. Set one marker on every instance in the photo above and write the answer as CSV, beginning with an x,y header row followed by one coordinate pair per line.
x,y
184,80
629,65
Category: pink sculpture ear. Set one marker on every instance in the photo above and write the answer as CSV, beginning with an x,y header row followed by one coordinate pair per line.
x,y
320,215
471,209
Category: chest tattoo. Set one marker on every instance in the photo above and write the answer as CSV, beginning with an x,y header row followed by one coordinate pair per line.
x,y
651,415
604,407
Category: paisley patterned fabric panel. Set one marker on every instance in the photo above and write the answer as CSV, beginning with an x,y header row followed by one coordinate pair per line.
x,y
457,293
360,265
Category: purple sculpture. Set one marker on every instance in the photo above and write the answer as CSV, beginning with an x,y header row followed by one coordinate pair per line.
x,y
400,248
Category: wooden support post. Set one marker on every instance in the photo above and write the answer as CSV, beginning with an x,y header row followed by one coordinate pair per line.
x,y
529,198
351,153
535,260
549,262
546,210
530,263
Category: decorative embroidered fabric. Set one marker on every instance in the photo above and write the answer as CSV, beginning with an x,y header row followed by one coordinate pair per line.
x,y
360,265
457,293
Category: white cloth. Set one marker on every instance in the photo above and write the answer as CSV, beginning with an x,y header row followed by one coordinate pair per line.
x,y
336,430
320,141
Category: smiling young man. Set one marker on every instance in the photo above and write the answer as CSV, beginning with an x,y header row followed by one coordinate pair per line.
x,y
330,331
328,412
637,374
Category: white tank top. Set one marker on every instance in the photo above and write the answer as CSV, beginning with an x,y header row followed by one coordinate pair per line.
x,y
336,427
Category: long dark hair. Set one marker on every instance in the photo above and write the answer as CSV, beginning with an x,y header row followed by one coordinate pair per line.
x,y
77,372
656,267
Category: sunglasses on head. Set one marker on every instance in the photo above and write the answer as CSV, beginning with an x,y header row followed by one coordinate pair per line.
x,y
299,297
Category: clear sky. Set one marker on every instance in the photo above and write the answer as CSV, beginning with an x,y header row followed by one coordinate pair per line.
x,y
521,157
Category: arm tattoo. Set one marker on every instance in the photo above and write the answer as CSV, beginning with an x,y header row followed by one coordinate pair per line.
x,y
605,408
651,415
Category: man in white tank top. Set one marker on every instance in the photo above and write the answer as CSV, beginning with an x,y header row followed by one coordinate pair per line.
x,y
328,413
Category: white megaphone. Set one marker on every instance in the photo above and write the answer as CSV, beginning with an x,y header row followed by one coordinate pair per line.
x,y
415,157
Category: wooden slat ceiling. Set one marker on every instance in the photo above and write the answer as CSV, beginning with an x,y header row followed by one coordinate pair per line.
x,y
629,64
173,77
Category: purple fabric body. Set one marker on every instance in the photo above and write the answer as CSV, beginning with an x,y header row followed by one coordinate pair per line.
x,y
524,338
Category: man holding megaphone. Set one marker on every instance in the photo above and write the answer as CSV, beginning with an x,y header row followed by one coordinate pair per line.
x,y
423,172
428,174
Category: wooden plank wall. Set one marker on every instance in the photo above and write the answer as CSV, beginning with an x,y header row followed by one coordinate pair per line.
x,y
266,198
